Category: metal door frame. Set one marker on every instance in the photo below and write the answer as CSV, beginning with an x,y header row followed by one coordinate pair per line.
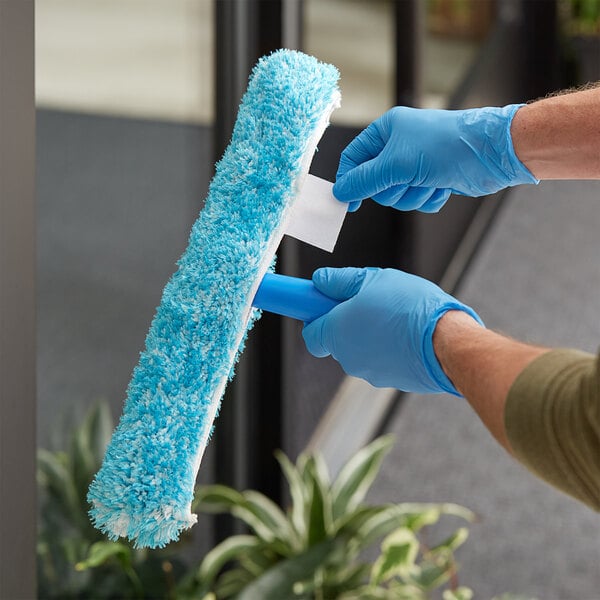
x,y
18,506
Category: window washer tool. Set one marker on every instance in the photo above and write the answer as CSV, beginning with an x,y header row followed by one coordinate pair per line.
x,y
144,489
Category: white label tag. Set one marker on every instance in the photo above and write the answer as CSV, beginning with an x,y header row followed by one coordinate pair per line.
x,y
316,216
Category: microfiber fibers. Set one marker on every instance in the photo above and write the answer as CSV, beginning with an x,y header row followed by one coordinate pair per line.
x,y
145,486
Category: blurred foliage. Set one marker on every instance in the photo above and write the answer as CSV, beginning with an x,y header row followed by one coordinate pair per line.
x,y
470,19
313,551
316,549
75,560
582,17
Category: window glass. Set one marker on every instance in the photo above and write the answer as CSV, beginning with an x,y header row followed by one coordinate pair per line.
x,y
358,38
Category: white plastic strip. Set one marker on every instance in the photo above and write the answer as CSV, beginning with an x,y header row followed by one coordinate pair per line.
x,y
317,217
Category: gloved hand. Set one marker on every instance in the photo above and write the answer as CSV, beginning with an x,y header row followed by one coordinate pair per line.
x,y
413,159
383,332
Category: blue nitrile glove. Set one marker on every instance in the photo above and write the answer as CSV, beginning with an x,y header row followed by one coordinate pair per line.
x,y
413,159
383,332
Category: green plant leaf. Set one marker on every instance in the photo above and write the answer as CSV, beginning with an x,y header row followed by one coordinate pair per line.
x,y
100,428
190,587
451,543
406,591
299,494
367,592
320,509
83,462
270,514
216,498
67,536
351,523
232,582
429,575
418,515
456,510
399,552
378,525
101,552
368,524
229,549
201,595
255,509
56,480
258,560
461,593
357,475
394,592
278,582
344,577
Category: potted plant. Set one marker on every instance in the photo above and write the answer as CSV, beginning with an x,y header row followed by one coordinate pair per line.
x,y
315,550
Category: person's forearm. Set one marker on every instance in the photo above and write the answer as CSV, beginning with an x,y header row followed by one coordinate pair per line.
x,y
559,137
482,365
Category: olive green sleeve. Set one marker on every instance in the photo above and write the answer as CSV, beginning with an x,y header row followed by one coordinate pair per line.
x,y
552,420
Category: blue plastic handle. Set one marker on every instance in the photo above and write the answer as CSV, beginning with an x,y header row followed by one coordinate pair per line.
x,y
292,297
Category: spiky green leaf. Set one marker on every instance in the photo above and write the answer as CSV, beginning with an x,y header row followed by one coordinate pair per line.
x,y
406,591
452,542
418,515
399,552
345,577
265,519
259,559
357,476
220,555
101,426
278,582
380,524
83,463
57,481
217,498
101,552
232,582
351,523
366,592
299,494
431,574
320,509
456,510
271,515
